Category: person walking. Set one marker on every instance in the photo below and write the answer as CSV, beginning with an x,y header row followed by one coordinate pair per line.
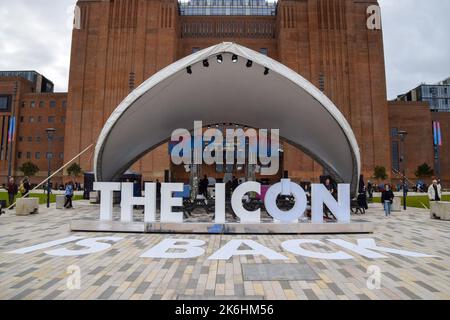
x,y
387,199
435,191
12,191
69,196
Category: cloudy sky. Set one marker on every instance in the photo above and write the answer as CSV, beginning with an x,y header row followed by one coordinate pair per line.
x,y
36,34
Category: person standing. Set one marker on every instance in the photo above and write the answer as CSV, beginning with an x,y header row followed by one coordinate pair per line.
x,y
370,189
158,189
69,195
26,187
435,191
12,191
387,199
203,186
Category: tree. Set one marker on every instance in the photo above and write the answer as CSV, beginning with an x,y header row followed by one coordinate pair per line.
x,y
74,170
424,171
379,173
29,169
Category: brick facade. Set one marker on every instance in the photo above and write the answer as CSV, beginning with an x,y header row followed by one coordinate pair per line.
x,y
121,43
34,113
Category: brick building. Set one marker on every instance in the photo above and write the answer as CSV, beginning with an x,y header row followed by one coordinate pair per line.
x,y
118,44
35,108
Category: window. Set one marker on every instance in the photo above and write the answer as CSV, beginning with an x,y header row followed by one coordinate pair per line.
x,y
394,132
49,155
28,155
19,155
395,156
20,139
23,104
38,139
64,104
37,155
30,139
5,103
63,119
32,104
52,104
41,104
264,51
39,119
321,82
51,119
31,119
61,155
61,139
21,119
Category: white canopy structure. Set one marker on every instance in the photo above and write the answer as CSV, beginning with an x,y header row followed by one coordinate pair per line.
x,y
228,92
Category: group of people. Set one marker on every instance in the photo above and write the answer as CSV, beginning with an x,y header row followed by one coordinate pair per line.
x,y
13,190
24,189
387,195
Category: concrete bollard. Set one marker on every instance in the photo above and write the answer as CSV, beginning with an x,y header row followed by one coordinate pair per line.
x,y
26,206
397,205
60,199
440,210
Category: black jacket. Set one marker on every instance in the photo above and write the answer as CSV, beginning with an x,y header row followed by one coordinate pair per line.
x,y
387,196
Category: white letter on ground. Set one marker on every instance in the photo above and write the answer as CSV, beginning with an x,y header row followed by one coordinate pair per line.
x,y
294,246
364,246
232,249
191,249
92,247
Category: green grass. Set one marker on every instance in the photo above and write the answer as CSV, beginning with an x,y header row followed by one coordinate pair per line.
x,y
42,197
416,201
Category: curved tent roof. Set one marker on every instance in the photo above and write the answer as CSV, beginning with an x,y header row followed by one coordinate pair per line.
x,y
228,93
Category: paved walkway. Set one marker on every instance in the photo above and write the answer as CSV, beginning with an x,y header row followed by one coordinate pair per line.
x,y
119,272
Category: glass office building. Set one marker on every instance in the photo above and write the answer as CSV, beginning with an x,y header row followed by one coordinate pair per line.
x,y
437,95
41,83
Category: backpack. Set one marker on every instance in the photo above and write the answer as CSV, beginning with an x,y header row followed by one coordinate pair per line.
x,y
22,189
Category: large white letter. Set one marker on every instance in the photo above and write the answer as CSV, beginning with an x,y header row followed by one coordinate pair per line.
x,y
106,198
363,245
92,247
168,201
129,200
182,151
236,202
232,249
294,246
191,249
340,209
270,202
220,203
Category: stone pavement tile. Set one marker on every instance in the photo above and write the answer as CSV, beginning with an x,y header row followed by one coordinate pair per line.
x,y
37,275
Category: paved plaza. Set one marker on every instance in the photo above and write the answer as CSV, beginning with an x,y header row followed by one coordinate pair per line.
x,y
120,273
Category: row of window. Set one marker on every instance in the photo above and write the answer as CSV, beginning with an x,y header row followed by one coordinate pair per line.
x,y
38,139
37,155
51,119
41,104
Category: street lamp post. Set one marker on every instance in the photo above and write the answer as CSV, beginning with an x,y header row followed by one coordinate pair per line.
x,y
50,134
402,134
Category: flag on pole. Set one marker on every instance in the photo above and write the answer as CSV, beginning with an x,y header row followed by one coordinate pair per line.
x,y
12,129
